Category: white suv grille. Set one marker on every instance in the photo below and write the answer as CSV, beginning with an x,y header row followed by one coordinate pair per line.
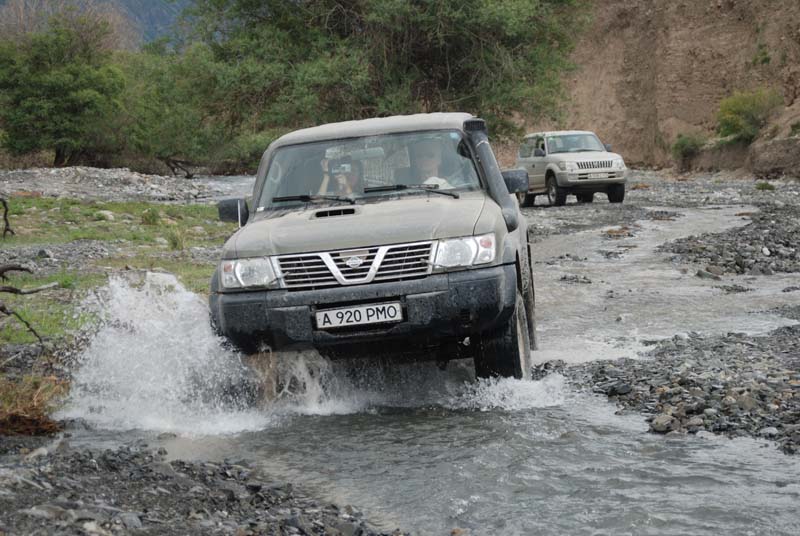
x,y
597,164
308,271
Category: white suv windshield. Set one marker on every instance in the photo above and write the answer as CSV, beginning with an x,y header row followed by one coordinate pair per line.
x,y
573,143
368,167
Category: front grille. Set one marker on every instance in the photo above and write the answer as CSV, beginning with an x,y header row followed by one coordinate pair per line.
x,y
309,271
305,271
405,262
596,164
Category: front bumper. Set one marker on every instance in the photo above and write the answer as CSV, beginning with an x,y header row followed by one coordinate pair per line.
x,y
580,179
438,310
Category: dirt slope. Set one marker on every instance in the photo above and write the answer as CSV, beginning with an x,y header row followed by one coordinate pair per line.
x,y
651,69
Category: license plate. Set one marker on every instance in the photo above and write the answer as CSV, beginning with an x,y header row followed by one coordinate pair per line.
x,y
597,175
377,313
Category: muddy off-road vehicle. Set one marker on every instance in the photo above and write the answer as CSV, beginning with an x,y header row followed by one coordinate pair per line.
x,y
568,162
396,237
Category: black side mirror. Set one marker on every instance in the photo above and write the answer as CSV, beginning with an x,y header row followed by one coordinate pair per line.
x,y
516,180
538,152
233,210
608,147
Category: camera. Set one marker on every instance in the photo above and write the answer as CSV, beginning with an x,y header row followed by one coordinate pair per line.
x,y
341,167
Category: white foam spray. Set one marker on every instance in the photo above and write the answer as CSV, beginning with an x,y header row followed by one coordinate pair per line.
x,y
155,364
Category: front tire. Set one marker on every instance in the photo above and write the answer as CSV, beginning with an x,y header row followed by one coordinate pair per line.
x,y
556,195
526,200
505,352
616,193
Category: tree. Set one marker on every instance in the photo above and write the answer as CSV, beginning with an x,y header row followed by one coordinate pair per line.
x,y
166,99
59,90
297,63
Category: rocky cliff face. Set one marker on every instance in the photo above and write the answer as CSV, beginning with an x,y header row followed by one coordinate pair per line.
x,y
651,69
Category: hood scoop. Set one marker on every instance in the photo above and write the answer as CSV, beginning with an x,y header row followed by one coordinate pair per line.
x,y
332,212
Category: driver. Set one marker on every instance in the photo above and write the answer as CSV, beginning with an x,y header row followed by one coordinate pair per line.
x,y
426,163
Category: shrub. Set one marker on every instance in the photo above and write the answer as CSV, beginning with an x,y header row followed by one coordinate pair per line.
x,y
151,216
764,186
687,146
25,405
176,240
794,130
742,115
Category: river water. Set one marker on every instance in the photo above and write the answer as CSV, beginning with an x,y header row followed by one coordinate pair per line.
x,y
428,450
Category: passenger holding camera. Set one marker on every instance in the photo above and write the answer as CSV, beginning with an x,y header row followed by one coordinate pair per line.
x,y
341,177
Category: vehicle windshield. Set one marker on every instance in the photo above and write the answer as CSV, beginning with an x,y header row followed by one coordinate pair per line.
x,y
335,171
573,143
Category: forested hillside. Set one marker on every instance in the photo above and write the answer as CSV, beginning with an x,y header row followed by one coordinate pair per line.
x,y
245,71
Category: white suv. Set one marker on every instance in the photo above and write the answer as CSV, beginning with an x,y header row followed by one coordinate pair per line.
x,y
568,162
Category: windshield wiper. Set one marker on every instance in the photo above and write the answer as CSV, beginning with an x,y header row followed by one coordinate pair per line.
x,y
307,198
421,187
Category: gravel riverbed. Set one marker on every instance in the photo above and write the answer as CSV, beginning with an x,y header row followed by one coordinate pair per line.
x,y
61,490
731,384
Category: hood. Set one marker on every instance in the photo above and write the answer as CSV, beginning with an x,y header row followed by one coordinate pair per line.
x,y
583,157
407,218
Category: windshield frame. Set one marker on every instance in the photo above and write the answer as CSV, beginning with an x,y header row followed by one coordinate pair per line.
x,y
261,208
589,134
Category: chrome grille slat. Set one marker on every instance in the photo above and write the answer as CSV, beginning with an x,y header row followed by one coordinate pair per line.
x,y
307,271
595,164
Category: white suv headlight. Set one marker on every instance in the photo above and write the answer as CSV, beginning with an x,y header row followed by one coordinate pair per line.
x,y
467,251
244,273
618,164
568,166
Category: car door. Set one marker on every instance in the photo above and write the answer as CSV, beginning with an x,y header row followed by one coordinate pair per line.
x,y
524,156
538,164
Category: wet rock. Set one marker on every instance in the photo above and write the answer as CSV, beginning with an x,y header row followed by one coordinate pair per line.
x,y
702,274
572,278
715,270
664,423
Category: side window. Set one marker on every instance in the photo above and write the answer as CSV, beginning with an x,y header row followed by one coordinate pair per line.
x,y
526,149
539,143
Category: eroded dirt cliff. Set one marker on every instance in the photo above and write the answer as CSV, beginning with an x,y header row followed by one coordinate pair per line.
x,y
648,70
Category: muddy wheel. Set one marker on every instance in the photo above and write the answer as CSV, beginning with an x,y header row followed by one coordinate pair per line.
x,y
556,195
506,351
529,295
616,193
585,198
526,200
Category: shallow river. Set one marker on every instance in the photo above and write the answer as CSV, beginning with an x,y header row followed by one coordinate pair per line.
x,y
428,450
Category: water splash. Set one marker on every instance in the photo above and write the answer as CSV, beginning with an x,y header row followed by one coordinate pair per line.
x,y
155,364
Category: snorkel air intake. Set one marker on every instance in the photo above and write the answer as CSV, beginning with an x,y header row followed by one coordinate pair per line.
x,y
478,136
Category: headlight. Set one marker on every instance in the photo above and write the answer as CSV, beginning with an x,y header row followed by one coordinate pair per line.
x,y
568,166
467,251
247,273
618,164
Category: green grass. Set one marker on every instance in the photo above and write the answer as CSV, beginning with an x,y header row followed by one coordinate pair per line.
x,y
764,186
58,221
193,275
47,221
51,312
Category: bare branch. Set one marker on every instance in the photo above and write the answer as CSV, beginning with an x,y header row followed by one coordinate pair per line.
x,y
23,291
6,225
5,268
10,312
